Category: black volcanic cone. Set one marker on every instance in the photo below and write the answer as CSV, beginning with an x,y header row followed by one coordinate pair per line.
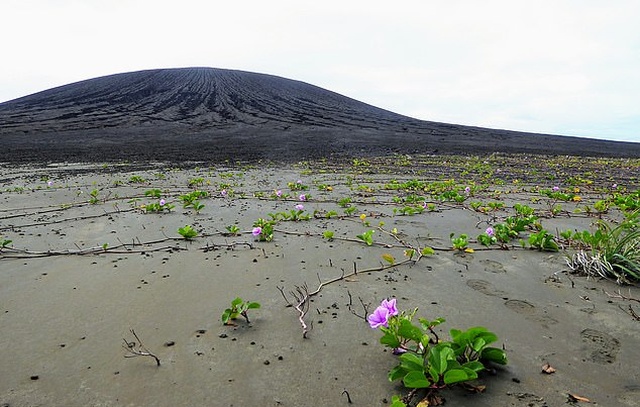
x,y
209,114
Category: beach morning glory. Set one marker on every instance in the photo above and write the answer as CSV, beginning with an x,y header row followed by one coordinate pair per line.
x,y
299,207
256,231
490,232
380,317
302,197
162,202
390,305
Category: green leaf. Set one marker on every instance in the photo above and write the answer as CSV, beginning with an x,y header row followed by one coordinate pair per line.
x,y
458,375
428,251
416,380
478,344
226,316
396,401
411,362
237,301
397,373
494,355
390,340
474,365
253,305
409,331
439,355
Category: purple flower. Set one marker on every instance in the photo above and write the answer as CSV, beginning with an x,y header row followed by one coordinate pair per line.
x,y
380,317
49,183
614,186
302,197
490,232
256,231
556,188
467,190
223,192
162,202
299,207
299,181
390,305
278,193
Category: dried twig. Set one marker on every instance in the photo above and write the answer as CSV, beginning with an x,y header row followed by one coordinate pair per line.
x,y
301,304
137,349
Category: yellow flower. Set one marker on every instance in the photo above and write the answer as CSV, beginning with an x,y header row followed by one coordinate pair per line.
x,y
577,199
363,217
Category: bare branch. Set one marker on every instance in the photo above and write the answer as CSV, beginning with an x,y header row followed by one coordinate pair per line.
x,y
137,349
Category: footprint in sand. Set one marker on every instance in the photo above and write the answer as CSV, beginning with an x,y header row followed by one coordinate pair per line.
x,y
600,346
485,288
493,266
529,311
527,399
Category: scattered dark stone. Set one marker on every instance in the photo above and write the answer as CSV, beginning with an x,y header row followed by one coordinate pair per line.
x,y
515,380
62,345
280,357
266,362
169,343
116,373
253,342
223,335
34,377
201,331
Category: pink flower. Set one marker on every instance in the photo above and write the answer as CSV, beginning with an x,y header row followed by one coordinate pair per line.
x,y
162,202
302,197
299,207
299,181
556,188
490,232
278,193
390,305
467,190
614,186
223,192
380,317
256,231
49,183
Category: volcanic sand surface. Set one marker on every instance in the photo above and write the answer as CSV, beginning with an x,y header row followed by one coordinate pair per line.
x,y
64,317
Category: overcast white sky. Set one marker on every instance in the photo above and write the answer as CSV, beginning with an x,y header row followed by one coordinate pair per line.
x,y
568,67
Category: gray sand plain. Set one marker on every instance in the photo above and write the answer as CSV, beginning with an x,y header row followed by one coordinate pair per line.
x,y
64,315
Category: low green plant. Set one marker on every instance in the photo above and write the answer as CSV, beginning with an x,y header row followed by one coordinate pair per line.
x,y
187,232
197,181
427,361
461,242
238,308
136,179
232,230
367,237
5,243
263,229
158,207
350,210
197,206
191,199
613,251
328,234
297,186
153,193
543,241
93,197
